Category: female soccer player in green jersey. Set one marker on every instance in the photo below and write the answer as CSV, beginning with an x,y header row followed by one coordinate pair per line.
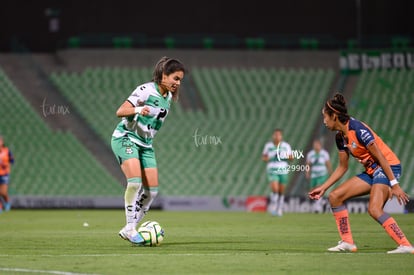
x,y
143,114
277,154
319,162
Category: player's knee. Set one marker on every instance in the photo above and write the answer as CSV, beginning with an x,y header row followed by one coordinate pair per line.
x,y
134,184
334,198
374,211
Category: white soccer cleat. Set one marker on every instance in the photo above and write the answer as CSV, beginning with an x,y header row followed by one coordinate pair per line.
x,y
131,236
343,247
402,249
124,234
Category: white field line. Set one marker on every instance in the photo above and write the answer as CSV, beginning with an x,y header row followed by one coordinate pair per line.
x,y
190,254
24,270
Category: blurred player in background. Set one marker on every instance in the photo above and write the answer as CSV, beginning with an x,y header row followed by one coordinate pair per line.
x,y
380,178
143,114
320,168
6,160
276,154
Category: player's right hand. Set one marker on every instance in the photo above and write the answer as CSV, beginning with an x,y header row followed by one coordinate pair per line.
x,y
316,193
401,196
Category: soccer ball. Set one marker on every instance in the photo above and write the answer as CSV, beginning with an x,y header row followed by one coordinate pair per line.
x,y
152,233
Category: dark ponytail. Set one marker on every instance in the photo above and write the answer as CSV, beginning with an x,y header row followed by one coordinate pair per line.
x,y
337,105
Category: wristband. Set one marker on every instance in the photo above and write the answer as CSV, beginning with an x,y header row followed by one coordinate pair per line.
x,y
138,110
393,182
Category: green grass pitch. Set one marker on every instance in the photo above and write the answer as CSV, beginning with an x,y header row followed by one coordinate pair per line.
x,y
56,242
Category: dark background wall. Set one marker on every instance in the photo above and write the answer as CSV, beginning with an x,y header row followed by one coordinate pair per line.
x,y
28,21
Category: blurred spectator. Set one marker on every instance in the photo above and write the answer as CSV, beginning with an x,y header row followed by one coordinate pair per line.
x,y
6,160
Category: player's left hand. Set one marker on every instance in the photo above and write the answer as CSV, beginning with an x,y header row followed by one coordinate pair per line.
x,y
402,197
145,111
152,111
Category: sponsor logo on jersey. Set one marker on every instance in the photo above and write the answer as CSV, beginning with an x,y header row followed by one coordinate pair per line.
x,y
379,173
365,135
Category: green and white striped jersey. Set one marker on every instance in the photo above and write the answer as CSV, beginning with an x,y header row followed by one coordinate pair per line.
x,y
277,154
142,129
317,162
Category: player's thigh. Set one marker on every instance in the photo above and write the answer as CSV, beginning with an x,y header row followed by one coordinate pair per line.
x,y
127,154
3,188
274,180
380,190
377,198
274,185
283,181
131,168
353,187
271,175
149,165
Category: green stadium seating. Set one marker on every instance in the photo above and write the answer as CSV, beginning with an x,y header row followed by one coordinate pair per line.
x,y
47,163
243,106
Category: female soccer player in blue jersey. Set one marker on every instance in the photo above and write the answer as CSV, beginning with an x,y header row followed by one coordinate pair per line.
x,y
143,114
379,180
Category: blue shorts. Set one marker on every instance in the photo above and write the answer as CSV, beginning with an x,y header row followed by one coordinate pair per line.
x,y
4,179
380,177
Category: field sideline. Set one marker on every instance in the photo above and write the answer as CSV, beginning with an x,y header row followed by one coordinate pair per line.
x,y
56,242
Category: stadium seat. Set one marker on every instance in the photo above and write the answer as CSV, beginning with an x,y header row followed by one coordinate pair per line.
x,y
48,163
243,106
